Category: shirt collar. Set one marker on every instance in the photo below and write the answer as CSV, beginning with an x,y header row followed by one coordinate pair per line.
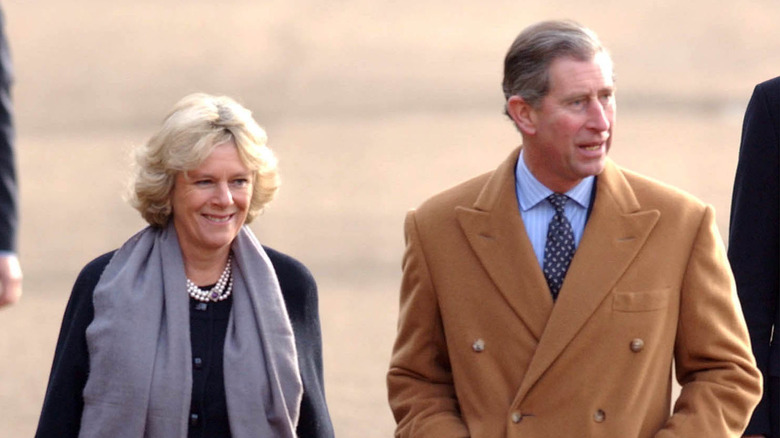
x,y
531,192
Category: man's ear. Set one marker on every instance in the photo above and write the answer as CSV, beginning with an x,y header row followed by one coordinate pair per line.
x,y
523,114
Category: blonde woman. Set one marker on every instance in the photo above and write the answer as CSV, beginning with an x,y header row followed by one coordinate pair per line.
x,y
192,328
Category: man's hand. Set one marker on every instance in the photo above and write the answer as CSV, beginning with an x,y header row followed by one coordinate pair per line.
x,y
10,279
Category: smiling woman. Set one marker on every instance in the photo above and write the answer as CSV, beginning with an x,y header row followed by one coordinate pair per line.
x,y
192,327
210,205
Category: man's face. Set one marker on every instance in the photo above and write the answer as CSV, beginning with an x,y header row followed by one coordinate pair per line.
x,y
571,128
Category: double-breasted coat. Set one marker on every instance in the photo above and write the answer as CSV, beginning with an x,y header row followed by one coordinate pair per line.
x,y
483,351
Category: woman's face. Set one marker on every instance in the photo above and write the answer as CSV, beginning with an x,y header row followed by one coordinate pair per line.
x,y
210,203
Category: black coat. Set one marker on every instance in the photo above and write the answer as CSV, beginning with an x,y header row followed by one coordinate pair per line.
x,y
63,404
8,189
754,238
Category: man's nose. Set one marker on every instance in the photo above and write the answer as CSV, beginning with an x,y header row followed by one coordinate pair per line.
x,y
599,116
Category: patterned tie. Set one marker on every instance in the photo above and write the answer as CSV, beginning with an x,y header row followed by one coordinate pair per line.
x,y
559,249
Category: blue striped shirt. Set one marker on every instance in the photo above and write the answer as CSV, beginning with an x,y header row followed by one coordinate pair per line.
x,y
537,212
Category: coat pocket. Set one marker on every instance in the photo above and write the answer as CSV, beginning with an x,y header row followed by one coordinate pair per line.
x,y
643,301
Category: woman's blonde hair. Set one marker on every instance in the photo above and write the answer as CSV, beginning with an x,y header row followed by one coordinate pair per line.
x,y
197,124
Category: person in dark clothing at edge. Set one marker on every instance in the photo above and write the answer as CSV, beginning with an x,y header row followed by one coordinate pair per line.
x,y
754,245
10,269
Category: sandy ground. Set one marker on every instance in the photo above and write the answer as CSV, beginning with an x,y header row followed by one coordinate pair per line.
x,y
372,106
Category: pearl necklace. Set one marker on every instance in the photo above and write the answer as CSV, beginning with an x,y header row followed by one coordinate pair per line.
x,y
219,292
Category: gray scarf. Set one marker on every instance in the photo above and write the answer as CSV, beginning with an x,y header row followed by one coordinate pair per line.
x,y
140,379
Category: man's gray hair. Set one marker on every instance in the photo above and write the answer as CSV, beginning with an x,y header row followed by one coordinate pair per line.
x,y
527,63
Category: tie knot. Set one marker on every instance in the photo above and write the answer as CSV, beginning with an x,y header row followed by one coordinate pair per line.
x,y
558,200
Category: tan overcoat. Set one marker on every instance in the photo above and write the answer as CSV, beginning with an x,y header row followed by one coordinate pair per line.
x,y
482,351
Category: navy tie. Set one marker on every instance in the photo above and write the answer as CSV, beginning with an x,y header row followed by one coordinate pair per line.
x,y
559,249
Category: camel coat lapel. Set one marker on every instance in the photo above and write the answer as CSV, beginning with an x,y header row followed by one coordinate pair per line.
x,y
496,233
616,231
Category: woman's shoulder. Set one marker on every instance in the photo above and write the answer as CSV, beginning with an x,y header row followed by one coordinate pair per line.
x,y
91,272
289,269
298,287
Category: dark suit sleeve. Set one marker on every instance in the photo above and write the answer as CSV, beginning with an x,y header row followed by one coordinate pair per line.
x,y
300,297
753,235
63,404
8,189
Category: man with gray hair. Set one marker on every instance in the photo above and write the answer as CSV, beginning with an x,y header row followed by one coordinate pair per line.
x,y
552,296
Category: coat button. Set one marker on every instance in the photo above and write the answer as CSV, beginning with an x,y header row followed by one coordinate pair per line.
x,y
478,346
197,363
599,416
517,417
637,345
194,419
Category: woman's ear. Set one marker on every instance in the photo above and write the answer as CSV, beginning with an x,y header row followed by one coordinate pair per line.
x,y
523,114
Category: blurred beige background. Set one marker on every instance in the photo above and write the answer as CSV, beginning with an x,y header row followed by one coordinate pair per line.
x,y
371,106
